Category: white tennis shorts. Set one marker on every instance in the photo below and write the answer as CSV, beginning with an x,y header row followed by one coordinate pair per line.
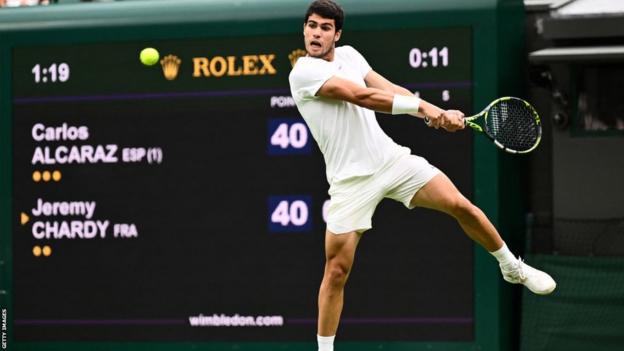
x,y
353,200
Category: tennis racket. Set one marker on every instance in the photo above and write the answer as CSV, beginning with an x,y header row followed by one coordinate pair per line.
x,y
511,123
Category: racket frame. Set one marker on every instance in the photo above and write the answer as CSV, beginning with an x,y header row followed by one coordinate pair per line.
x,y
469,122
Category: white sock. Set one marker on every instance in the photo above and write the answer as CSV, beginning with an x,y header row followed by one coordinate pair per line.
x,y
325,343
503,255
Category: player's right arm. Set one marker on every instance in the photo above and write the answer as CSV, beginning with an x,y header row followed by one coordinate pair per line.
x,y
371,98
311,78
437,116
388,101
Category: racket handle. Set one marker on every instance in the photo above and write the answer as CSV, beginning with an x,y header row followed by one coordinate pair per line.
x,y
466,123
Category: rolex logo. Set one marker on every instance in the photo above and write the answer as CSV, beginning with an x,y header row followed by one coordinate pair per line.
x,y
170,66
295,55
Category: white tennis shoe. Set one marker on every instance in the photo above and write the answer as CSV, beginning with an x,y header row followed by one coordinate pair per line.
x,y
535,280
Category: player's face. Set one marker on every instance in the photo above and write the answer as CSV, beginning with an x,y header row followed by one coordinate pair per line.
x,y
320,36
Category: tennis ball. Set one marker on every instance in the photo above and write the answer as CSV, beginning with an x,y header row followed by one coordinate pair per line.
x,y
149,56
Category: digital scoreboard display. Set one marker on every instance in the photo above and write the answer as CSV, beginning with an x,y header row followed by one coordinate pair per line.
x,y
186,201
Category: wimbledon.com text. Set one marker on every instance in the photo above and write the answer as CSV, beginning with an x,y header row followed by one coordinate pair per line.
x,y
221,320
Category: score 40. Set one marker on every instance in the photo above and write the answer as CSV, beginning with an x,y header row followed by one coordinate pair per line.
x,y
293,213
288,136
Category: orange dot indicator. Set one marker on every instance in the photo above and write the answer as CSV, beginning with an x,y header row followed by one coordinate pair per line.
x,y
47,251
56,175
46,176
37,251
36,176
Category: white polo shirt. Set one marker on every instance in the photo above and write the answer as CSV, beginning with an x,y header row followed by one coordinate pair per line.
x,y
351,140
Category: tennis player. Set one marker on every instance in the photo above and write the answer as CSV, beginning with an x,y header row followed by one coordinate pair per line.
x,y
337,92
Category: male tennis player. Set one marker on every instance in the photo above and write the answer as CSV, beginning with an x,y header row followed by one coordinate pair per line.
x,y
337,92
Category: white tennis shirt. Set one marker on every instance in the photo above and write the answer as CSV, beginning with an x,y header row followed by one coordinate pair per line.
x,y
351,140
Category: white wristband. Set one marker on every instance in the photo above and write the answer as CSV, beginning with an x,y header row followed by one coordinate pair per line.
x,y
402,104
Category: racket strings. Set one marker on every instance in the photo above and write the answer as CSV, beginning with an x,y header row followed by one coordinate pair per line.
x,y
513,124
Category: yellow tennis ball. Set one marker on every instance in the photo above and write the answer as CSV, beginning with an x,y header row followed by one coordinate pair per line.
x,y
149,56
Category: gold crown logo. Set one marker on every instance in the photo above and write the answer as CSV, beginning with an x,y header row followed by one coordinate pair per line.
x,y
170,66
295,55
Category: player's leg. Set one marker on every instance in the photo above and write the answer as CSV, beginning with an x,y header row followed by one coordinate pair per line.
x,y
441,194
353,202
339,256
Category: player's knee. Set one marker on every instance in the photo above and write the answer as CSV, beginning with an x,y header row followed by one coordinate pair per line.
x,y
337,273
462,208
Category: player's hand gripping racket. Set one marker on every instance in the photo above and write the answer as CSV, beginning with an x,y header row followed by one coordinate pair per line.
x,y
511,123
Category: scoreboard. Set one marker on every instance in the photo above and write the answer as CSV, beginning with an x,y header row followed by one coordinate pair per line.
x,y
186,201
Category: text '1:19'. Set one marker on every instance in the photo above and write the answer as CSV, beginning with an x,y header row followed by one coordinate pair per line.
x,y
51,74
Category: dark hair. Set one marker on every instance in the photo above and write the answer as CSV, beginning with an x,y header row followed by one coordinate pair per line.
x,y
326,9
